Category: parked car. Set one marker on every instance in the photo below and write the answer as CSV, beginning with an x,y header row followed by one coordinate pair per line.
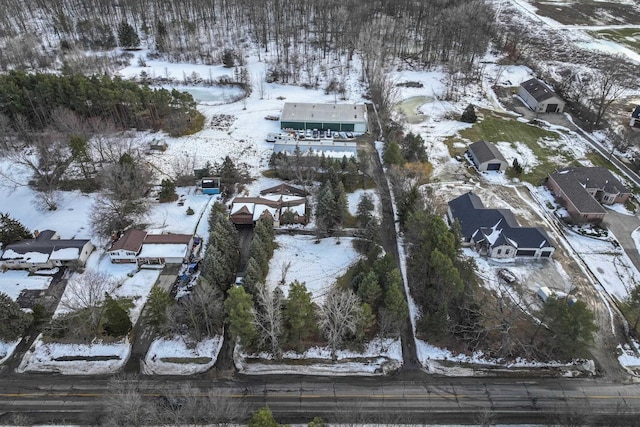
x,y
301,134
308,133
271,137
316,134
349,134
328,133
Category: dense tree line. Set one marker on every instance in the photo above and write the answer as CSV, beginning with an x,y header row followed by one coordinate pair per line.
x,y
29,101
295,35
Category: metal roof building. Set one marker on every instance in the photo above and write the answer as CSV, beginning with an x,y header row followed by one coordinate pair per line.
x,y
336,117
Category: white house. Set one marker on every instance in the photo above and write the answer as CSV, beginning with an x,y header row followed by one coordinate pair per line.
x,y
539,97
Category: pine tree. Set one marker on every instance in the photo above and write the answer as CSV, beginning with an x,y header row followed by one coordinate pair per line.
x,y
13,321
263,418
156,308
228,59
395,303
127,36
469,115
392,155
168,191
326,209
116,319
239,307
299,315
369,290
11,230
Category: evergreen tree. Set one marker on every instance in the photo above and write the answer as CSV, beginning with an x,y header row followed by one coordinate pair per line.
x,y
395,303
393,155
342,204
13,321
157,304
299,316
253,277
116,319
413,148
239,309
326,209
369,290
364,210
168,191
570,327
127,36
469,115
263,418
12,230
228,59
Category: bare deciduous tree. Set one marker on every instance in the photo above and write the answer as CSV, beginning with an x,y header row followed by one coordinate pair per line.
x,y
339,317
125,404
268,320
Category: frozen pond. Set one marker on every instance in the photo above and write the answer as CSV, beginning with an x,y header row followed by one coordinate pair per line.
x,y
211,95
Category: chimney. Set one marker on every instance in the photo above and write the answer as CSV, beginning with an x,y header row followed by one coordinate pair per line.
x,y
36,233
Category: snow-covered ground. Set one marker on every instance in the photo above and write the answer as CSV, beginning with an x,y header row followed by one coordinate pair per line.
x,y
12,282
378,358
179,357
317,265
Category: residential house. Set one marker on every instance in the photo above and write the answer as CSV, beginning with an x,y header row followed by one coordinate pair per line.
x,y
584,190
539,97
284,204
45,251
487,157
139,247
635,117
495,232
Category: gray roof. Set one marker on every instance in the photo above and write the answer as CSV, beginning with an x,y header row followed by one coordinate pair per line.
x,y
538,89
486,151
44,246
574,181
636,112
327,113
479,223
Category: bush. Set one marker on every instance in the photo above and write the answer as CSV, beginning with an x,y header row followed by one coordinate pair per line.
x,y
190,211
469,115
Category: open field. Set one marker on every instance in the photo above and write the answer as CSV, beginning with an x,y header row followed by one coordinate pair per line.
x,y
629,37
589,12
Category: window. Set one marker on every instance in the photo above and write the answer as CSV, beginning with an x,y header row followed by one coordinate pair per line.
x,y
499,251
506,251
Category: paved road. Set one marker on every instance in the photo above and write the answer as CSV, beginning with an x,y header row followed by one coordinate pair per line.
x,y
409,398
622,226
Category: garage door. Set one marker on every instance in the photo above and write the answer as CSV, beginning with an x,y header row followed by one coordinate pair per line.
x,y
552,108
493,167
347,127
524,252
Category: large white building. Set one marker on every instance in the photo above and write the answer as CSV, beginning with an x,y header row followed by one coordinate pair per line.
x,y
335,117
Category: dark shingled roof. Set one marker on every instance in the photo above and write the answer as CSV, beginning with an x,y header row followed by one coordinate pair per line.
x,y
538,90
573,181
636,112
44,245
499,226
486,151
131,241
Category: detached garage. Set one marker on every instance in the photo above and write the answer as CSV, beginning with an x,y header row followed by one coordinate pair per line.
x,y
336,117
539,97
487,157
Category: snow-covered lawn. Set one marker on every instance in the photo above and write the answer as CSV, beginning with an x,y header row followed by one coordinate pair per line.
x,y
318,265
12,282
354,198
379,357
179,357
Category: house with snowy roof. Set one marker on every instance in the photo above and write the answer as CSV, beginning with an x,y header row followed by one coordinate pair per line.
x,y
635,117
495,232
539,97
583,191
46,250
139,247
284,204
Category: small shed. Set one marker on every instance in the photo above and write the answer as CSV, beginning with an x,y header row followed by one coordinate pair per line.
x,y
487,157
539,97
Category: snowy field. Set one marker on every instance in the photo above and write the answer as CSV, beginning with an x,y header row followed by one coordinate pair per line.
x,y
179,357
12,282
317,265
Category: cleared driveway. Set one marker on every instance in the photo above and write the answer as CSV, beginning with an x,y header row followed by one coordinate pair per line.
x,y
622,226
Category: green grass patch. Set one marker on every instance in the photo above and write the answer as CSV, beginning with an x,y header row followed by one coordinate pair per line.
x,y
598,160
187,360
629,37
270,173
